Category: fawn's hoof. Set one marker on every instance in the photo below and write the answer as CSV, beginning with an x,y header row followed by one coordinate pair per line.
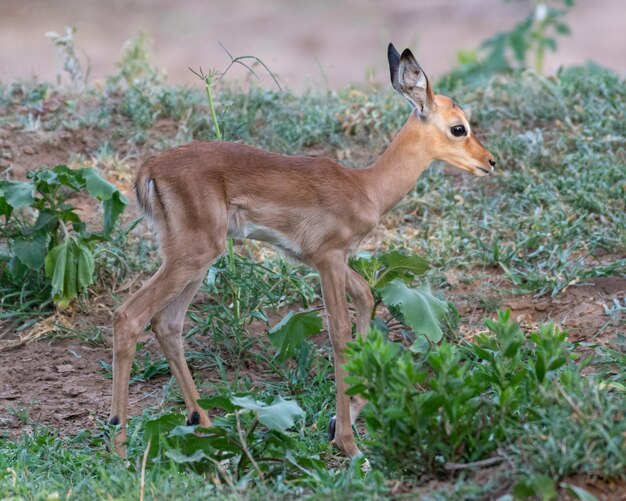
x,y
193,419
331,428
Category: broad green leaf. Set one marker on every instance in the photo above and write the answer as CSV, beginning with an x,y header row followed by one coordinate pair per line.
x,y
86,267
113,207
293,330
279,415
162,426
55,265
398,265
180,458
420,345
96,186
221,402
60,266
70,266
182,431
17,194
540,486
421,310
156,429
16,268
31,252
544,487
113,201
47,180
46,221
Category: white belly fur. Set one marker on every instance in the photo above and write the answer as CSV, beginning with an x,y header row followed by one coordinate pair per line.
x,y
247,229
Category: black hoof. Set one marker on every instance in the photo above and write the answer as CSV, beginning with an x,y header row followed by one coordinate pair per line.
x,y
114,421
193,419
331,428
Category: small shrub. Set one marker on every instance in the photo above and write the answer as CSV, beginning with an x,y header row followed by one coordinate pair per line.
x,y
47,247
463,403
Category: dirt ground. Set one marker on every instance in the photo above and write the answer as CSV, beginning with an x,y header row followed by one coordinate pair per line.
x,y
60,383
319,43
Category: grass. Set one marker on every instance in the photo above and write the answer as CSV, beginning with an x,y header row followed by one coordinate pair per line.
x,y
553,215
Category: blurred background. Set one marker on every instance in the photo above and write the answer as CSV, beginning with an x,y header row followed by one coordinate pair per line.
x,y
324,42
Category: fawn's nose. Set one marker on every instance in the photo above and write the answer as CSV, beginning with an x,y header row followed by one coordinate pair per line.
x,y
492,162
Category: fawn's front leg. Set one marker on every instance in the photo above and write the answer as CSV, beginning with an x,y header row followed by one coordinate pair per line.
x,y
333,276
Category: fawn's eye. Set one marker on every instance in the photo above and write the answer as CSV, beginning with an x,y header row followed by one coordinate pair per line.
x,y
458,130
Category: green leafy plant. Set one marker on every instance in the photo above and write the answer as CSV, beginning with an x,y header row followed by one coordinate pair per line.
x,y
390,276
420,310
289,334
249,441
290,337
524,46
48,244
533,36
464,403
244,290
393,265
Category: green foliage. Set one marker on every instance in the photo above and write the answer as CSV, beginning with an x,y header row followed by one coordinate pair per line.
x,y
393,265
524,46
290,334
389,275
279,415
251,440
143,367
46,237
537,487
136,67
465,403
244,290
420,310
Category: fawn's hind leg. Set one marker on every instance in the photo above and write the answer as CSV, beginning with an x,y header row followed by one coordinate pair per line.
x,y
168,326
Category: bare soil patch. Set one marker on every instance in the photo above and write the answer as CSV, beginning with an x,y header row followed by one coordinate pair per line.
x,y
60,384
580,309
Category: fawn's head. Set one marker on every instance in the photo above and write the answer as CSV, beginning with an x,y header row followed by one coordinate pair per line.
x,y
450,137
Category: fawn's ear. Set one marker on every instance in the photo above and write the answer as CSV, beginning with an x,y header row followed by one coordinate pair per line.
x,y
393,56
409,80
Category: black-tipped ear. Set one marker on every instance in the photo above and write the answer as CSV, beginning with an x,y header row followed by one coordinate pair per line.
x,y
393,57
412,83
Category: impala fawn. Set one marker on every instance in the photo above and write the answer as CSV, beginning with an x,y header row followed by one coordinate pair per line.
x,y
312,209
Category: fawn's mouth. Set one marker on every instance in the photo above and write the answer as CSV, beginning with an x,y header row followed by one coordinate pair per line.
x,y
483,171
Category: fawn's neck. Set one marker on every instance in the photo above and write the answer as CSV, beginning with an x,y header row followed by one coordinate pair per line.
x,y
394,174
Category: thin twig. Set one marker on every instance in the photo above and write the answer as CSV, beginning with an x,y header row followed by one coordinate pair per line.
x,y
568,399
144,462
476,464
244,446
238,60
147,395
